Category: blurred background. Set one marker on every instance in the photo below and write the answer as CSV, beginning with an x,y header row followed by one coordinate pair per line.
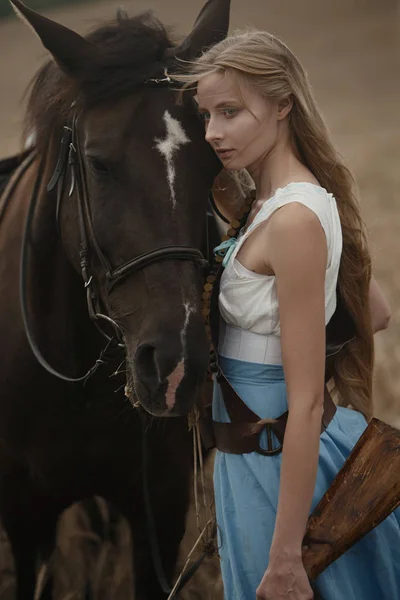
x,y
351,50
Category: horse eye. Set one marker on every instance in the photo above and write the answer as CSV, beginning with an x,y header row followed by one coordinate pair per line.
x,y
97,165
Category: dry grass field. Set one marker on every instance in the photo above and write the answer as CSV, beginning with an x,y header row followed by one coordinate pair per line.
x,y
352,53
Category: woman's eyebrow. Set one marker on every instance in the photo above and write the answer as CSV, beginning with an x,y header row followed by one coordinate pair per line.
x,y
219,104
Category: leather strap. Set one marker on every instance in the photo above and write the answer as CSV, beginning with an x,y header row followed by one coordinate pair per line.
x,y
242,434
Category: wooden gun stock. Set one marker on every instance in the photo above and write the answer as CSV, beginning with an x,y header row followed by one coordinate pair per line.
x,y
365,491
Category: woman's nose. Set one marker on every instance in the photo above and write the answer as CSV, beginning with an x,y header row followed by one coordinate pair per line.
x,y
213,134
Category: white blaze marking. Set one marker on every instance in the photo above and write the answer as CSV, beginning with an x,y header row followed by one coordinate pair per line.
x,y
188,311
175,378
175,138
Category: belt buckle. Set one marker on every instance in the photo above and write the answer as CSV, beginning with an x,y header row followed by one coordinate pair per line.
x,y
271,451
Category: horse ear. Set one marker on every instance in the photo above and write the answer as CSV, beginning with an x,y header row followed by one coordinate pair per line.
x,y
70,50
211,27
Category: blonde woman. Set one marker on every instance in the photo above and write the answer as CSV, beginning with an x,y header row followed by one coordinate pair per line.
x,y
303,242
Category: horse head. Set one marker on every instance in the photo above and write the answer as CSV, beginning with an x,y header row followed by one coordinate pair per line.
x,y
132,203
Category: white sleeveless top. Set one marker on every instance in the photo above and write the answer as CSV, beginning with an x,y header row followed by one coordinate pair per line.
x,y
249,300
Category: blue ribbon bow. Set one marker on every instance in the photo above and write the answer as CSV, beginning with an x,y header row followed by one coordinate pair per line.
x,y
225,249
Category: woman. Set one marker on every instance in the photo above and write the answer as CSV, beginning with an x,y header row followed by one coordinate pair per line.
x,y
303,236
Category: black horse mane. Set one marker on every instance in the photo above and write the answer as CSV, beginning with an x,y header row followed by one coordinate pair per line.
x,y
132,51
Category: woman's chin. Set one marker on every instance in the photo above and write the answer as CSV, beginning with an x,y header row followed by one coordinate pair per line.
x,y
231,165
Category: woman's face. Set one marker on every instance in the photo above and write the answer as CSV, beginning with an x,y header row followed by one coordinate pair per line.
x,y
241,126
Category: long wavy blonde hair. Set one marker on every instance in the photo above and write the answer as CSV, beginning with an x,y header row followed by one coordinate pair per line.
x,y
265,64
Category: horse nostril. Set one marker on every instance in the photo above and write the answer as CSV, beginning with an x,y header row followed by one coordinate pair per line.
x,y
146,364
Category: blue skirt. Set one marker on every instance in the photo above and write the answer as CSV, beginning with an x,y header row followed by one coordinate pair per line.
x,y
246,496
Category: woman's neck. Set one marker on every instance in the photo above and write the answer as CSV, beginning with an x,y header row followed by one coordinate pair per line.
x,y
280,167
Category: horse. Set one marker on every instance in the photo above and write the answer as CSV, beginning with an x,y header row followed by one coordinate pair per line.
x,y
101,273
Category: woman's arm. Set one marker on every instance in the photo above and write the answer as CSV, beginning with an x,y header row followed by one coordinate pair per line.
x,y
297,253
380,309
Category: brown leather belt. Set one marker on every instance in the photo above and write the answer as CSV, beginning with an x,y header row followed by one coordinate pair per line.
x,y
242,434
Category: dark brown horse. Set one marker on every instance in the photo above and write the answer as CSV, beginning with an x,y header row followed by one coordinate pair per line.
x,y
126,209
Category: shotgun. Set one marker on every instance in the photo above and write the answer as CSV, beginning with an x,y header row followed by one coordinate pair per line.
x,y
361,496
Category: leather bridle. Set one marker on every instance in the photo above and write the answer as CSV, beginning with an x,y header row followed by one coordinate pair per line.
x,y
70,158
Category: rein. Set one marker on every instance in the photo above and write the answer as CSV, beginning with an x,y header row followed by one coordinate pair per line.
x,y
23,295
8,192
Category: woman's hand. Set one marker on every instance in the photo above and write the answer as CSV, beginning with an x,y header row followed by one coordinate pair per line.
x,y
285,578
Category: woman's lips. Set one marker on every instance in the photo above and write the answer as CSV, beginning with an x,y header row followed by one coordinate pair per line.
x,y
225,153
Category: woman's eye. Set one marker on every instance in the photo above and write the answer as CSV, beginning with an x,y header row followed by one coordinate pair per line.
x,y
230,112
205,116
